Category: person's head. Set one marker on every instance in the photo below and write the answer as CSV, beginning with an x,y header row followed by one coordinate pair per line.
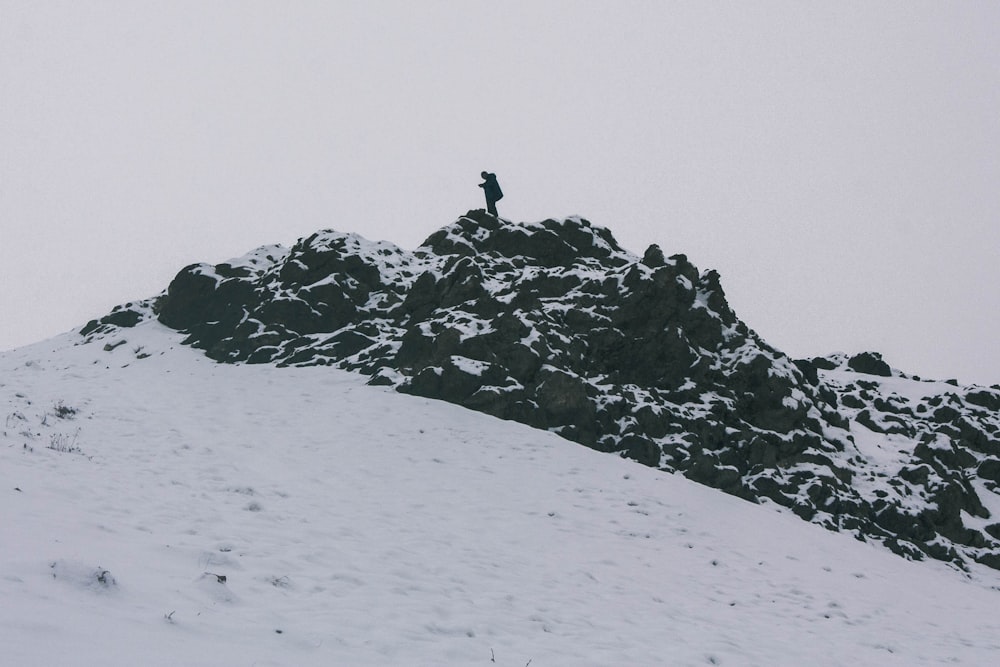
x,y
484,174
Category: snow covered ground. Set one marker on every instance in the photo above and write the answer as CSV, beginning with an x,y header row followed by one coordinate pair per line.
x,y
157,508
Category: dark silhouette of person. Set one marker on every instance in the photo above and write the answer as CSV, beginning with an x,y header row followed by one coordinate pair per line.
x,y
492,191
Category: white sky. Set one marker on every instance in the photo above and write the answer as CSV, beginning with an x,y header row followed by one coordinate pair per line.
x,y
838,163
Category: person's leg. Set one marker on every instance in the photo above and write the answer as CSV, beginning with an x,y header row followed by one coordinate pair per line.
x,y
491,206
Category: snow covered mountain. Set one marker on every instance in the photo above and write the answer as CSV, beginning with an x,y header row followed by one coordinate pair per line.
x,y
554,325
159,508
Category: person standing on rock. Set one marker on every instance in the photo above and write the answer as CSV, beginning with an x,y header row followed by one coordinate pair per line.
x,y
492,191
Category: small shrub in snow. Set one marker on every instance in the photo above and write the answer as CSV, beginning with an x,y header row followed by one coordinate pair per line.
x,y
63,411
62,442
14,419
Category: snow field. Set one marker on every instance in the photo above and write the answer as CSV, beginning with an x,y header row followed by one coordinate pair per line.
x,y
357,526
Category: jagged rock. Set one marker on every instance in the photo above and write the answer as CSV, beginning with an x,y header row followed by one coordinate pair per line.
x,y
653,257
553,324
121,317
985,399
870,363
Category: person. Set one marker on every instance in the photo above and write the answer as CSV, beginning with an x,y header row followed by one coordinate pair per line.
x,y
492,191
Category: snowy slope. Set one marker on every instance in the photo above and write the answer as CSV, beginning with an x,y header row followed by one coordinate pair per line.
x,y
555,325
358,526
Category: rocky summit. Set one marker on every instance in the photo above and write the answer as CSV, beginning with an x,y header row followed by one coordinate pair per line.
x,y
553,324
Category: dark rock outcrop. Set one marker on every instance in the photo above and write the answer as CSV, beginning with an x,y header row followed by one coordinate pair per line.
x,y
553,324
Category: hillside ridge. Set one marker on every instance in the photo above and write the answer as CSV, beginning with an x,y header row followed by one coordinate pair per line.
x,y
555,325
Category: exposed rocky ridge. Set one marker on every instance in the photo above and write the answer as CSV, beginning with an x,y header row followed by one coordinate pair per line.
x,y
555,325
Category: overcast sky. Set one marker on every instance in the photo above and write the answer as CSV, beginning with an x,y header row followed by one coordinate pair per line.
x,y
837,163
